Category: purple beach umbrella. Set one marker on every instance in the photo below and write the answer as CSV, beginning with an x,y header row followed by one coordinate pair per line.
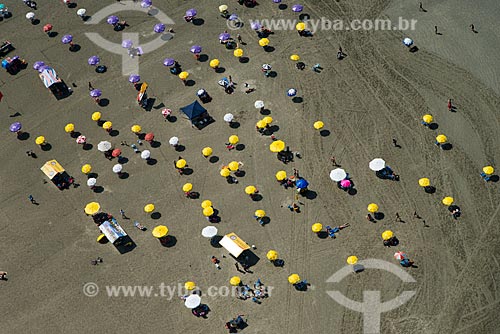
x,y
113,19
159,28
146,3
127,43
168,61
95,93
297,8
67,39
195,49
224,36
233,17
191,12
277,1
15,127
38,64
94,60
133,78
255,25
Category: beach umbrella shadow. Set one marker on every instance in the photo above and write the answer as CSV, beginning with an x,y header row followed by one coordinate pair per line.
x,y
234,125
265,112
213,159
378,215
156,215
203,58
297,99
123,175
433,126
23,136
114,133
446,146
87,146
152,162
187,171
244,60
46,147
103,102
240,147
198,21
322,234
324,133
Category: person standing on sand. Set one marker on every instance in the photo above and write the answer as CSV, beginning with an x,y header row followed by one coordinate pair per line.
x,y
436,30
450,105
420,7
472,28
3,275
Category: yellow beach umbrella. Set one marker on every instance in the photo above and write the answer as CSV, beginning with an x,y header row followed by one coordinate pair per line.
x,y
187,187
96,116
317,227
102,238
235,280
448,201
40,140
250,190
427,118
300,26
441,139
92,208
107,125
181,163
70,127
207,151
488,170
281,175
261,124
160,231
149,208
189,285
352,259
386,235
277,146
136,128
260,213
214,63
238,53
183,75
222,8
233,140
293,279
208,211
268,119
234,166
318,125
272,255
295,57
264,42
206,204
372,207
86,168
225,172
424,182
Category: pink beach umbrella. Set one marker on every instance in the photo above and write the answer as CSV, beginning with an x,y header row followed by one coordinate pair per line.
x,y
345,183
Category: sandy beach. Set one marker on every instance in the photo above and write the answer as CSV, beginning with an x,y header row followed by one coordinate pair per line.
x,y
378,92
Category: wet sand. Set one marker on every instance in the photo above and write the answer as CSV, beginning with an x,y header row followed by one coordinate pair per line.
x,y
378,92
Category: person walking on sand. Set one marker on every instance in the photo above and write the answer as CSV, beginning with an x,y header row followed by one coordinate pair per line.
x,y
215,261
90,86
398,218
334,162
3,275
436,30
238,268
32,199
450,105
420,7
472,28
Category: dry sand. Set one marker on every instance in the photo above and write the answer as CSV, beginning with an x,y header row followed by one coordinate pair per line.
x,y
378,92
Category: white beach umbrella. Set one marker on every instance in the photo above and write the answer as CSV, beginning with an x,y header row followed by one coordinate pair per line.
x,y
30,15
192,301
91,182
209,231
228,117
173,141
259,104
377,164
104,146
145,154
117,168
81,12
338,174
407,41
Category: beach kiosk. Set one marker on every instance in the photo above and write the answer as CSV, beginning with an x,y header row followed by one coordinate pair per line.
x,y
234,244
113,232
239,249
56,173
